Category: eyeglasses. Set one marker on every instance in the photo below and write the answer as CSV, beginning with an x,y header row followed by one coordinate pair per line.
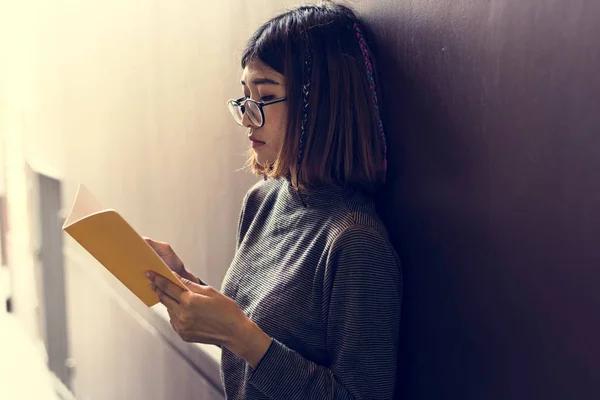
x,y
253,108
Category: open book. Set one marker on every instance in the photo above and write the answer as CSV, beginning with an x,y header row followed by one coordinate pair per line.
x,y
116,245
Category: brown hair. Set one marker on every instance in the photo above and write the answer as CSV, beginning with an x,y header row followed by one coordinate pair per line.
x,y
343,145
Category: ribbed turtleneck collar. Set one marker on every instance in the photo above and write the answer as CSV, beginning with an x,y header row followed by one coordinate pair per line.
x,y
316,197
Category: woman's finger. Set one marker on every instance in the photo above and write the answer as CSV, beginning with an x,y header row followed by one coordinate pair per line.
x,y
167,300
151,242
167,286
161,248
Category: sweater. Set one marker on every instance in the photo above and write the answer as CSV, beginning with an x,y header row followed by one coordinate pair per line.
x,y
317,273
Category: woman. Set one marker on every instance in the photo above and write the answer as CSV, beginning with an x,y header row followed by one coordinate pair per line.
x,y
311,302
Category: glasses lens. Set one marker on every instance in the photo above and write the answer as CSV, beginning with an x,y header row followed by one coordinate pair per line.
x,y
236,111
253,112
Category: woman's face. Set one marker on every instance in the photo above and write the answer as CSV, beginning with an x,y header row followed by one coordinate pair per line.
x,y
262,83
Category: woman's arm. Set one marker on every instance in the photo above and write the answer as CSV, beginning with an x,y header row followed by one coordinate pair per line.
x,y
362,291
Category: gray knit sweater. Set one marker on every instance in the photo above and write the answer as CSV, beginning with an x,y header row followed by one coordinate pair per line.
x,y
317,273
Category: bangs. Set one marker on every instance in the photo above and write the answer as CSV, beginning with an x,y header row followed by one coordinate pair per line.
x,y
268,44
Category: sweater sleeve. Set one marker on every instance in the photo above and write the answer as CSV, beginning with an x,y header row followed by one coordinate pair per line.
x,y
361,303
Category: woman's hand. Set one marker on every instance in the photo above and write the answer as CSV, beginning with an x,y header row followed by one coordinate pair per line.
x,y
203,314
165,251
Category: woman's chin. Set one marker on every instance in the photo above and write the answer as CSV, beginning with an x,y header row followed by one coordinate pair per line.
x,y
262,160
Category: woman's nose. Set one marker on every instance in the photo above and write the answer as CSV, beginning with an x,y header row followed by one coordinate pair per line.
x,y
246,121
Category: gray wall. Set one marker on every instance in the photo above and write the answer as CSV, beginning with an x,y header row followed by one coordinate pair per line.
x,y
128,98
150,135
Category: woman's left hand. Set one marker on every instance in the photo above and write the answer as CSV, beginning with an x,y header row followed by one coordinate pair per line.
x,y
202,314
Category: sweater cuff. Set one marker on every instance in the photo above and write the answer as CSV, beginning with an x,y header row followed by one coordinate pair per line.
x,y
270,368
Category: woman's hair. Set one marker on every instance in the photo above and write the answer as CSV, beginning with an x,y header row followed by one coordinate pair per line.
x,y
334,133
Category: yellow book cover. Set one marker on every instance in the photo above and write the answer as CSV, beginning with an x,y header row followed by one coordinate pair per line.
x,y
109,238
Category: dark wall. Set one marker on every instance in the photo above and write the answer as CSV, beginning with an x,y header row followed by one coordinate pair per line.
x,y
493,120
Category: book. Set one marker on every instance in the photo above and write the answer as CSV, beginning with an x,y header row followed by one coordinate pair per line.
x,y
109,238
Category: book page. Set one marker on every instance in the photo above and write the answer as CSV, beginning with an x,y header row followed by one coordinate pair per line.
x,y
109,238
85,204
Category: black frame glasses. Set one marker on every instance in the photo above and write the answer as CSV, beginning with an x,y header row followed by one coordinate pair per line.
x,y
238,108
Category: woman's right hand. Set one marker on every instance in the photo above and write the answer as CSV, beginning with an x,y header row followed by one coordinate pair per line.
x,y
165,251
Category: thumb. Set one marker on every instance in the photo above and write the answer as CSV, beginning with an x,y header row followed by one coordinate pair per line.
x,y
193,286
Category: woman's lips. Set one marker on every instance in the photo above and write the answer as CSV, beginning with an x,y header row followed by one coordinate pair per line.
x,y
256,143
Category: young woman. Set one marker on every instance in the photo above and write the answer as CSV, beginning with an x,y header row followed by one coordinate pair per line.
x,y
310,306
